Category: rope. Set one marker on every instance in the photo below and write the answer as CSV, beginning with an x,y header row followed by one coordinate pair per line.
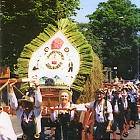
x,y
18,90
3,86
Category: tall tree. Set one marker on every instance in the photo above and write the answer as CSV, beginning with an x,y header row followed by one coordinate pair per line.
x,y
117,23
92,39
23,20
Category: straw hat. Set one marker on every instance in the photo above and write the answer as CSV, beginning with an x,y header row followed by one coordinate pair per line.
x,y
100,91
26,99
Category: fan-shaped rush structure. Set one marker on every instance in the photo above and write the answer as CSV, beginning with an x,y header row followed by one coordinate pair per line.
x,y
90,70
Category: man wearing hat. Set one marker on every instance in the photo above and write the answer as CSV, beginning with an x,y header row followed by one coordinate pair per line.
x,y
28,110
118,112
103,115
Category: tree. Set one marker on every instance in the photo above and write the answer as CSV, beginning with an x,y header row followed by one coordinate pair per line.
x,y
23,20
92,39
116,23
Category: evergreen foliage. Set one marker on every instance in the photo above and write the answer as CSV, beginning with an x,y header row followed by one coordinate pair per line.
x,y
116,23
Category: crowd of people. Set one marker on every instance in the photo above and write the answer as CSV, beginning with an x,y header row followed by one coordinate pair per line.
x,y
114,108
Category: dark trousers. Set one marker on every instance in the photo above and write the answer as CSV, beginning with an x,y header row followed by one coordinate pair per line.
x,y
71,131
29,129
119,120
100,131
61,132
133,112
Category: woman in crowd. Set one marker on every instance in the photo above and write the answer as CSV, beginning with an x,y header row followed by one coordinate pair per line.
x,y
67,126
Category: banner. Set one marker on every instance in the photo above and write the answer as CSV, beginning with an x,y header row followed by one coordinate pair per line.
x,y
56,62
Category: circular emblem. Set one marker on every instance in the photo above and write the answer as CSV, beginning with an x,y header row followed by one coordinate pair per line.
x,y
66,49
54,60
46,49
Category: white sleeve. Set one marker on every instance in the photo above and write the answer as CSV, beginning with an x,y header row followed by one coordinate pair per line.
x,y
53,116
6,129
13,100
80,107
109,111
19,112
90,105
38,98
37,112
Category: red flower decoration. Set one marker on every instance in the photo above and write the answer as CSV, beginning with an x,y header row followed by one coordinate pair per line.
x,y
57,43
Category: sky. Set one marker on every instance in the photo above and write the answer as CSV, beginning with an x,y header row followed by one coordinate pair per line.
x,y
89,6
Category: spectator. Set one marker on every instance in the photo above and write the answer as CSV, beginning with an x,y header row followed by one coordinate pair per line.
x,y
126,111
6,128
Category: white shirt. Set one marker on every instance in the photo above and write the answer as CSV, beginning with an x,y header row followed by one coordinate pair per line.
x,y
36,110
90,105
77,107
6,128
99,111
116,108
125,102
54,115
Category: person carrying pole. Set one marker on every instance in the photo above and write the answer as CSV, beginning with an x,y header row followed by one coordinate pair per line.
x,y
102,117
67,125
28,110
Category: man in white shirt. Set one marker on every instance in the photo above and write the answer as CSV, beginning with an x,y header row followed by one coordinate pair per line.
x,y
28,111
6,128
103,116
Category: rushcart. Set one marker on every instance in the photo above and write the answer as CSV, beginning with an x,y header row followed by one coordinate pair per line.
x,y
60,58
